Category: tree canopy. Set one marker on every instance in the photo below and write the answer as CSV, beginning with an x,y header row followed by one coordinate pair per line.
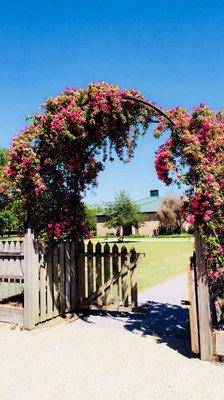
x,y
170,215
8,209
122,212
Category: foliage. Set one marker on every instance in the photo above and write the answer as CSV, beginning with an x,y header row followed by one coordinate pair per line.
x,y
183,235
90,217
59,155
9,210
8,221
170,216
122,212
3,159
193,155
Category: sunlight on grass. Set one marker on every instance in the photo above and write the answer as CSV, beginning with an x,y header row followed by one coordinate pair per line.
x,y
162,261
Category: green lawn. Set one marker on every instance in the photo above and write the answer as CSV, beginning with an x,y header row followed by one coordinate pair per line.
x,y
163,260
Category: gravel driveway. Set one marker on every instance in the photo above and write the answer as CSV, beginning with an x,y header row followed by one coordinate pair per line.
x,y
122,356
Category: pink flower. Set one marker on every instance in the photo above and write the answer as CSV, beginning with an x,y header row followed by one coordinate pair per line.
x,y
207,215
89,235
220,249
210,178
37,192
190,218
8,171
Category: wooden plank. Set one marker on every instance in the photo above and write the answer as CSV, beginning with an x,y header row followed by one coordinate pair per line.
x,y
67,277
56,288
90,268
42,290
133,280
115,270
73,276
13,254
12,276
204,314
13,315
31,282
99,273
81,271
193,310
124,280
107,275
50,300
109,283
62,278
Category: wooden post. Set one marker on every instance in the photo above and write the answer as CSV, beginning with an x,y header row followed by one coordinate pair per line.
x,y
204,314
133,280
193,310
31,282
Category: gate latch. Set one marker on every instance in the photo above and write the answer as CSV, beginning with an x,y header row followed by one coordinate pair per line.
x,y
185,303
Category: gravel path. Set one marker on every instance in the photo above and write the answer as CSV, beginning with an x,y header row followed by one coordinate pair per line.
x,y
96,359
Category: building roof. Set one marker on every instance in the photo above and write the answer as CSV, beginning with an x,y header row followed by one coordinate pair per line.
x,y
150,204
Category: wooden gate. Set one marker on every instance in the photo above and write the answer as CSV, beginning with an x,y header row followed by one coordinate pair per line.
x,y
76,276
67,276
107,278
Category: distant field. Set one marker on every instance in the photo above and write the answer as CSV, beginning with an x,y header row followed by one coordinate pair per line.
x,y
163,259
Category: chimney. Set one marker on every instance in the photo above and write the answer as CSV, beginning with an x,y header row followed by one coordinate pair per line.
x,y
154,193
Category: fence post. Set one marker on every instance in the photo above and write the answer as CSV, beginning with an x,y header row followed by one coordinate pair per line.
x,y
204,313
31,282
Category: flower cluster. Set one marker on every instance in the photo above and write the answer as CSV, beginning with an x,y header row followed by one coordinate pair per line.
x,y
194,155
55,158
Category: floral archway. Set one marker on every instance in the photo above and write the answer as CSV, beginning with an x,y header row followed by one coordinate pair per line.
x,y
60,153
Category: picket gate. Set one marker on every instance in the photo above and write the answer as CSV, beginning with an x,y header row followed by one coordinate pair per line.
x,y
65,277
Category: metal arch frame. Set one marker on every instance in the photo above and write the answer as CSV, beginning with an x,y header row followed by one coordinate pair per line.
x,y
148,104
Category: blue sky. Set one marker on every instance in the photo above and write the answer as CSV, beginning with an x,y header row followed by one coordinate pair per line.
x,y
172,51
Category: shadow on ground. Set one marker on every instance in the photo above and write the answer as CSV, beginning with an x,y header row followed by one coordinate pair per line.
x,y
168,323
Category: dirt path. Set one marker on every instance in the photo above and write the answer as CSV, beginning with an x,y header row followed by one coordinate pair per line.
x,y
104,359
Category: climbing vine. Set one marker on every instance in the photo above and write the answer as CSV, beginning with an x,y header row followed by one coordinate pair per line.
x,y
193,156
60,153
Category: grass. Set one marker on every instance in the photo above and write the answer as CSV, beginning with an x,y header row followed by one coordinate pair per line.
x,y
162,261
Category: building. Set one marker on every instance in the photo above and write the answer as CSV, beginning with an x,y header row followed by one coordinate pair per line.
x,y
148,208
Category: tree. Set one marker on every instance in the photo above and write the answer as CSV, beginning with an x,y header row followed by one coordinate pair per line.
x,y
90,216
9,209
3,159
170,215
3,162
121,213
